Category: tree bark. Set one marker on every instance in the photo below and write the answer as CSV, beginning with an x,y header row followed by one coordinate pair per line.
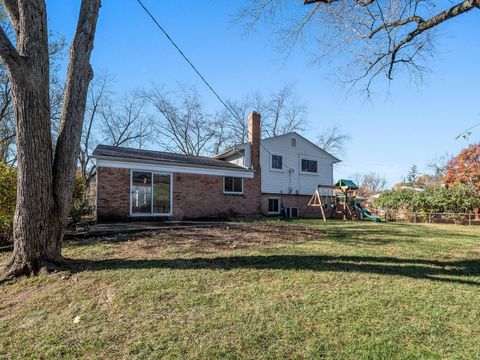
x,y
30,83
79,75
45,180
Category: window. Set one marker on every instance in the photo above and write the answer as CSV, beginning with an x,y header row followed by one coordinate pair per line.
x,y
141,192
274,206
293,141
161,194
150,193
232,185
277,162
309,166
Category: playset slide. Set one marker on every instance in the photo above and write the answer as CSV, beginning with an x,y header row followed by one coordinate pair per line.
x,y
366,213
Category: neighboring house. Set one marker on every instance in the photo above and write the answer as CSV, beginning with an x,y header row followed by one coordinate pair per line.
x,y
260,177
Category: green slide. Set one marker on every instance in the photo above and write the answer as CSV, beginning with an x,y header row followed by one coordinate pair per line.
x,y
366,213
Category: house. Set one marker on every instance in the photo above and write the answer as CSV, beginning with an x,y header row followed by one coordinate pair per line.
x,y
259,177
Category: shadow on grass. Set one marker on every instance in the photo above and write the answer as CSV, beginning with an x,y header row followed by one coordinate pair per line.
x,y
441,271
386,233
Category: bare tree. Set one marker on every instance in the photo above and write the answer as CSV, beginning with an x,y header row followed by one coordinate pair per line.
x,y
186,127
56,51
367,37
221,138
127,124
111,121
234,122
369,184
7,119
439,167
45,178
97,98
7,116
283,113
333,140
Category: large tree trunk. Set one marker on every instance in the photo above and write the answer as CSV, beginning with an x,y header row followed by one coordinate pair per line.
x,y
30,89
45,182
35,206
79,75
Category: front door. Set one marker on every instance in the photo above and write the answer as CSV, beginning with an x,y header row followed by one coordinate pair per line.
x,y
151,194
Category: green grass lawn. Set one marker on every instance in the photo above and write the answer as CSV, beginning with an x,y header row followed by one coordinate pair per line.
x,y
300,289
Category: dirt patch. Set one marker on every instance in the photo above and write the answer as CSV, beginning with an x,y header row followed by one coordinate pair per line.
x,y
207,240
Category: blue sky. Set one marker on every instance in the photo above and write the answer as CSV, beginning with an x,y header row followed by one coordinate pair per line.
x,y
414,124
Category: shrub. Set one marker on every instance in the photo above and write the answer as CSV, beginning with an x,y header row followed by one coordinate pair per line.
x,y
455,199
399,199
8,195
79,206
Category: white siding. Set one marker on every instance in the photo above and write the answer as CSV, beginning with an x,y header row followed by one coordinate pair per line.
x,y
241,159
237,159
290,181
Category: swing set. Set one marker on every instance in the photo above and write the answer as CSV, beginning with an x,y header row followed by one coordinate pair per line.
x,y
343,196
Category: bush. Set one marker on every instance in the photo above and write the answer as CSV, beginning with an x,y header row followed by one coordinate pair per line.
x,y
79,206
8,196
455,199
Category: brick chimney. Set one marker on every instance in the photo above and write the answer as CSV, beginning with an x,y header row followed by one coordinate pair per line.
x,y
254,134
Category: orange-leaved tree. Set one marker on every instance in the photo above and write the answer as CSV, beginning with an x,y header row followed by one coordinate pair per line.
x,y
464,169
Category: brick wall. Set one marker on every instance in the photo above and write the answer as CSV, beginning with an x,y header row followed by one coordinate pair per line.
x,y
194,196
298,201
113,193
198,196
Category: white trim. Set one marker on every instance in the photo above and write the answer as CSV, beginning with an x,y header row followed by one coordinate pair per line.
x,y
233,192
304,139
96,194
271,162
151,214
279,207
248,174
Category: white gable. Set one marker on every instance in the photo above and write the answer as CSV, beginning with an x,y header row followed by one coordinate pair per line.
x,y
291,179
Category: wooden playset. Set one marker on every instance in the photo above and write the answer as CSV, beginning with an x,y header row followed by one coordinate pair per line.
x,y
341,202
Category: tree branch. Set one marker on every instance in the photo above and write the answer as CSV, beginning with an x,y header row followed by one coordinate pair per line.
x,y
445,15
359,2
8,53
415,18
11,7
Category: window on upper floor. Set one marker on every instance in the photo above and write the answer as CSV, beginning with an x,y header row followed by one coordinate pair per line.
x,y
309,166
277,162
293,142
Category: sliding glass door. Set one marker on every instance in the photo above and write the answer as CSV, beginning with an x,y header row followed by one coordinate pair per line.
x,y
151,193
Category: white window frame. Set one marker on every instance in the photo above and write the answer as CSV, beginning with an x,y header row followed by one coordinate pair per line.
x,y
279,206
271,162
233,192
309,159
152,214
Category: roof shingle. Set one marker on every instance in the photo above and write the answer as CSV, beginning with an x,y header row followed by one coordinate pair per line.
x,y
163,157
